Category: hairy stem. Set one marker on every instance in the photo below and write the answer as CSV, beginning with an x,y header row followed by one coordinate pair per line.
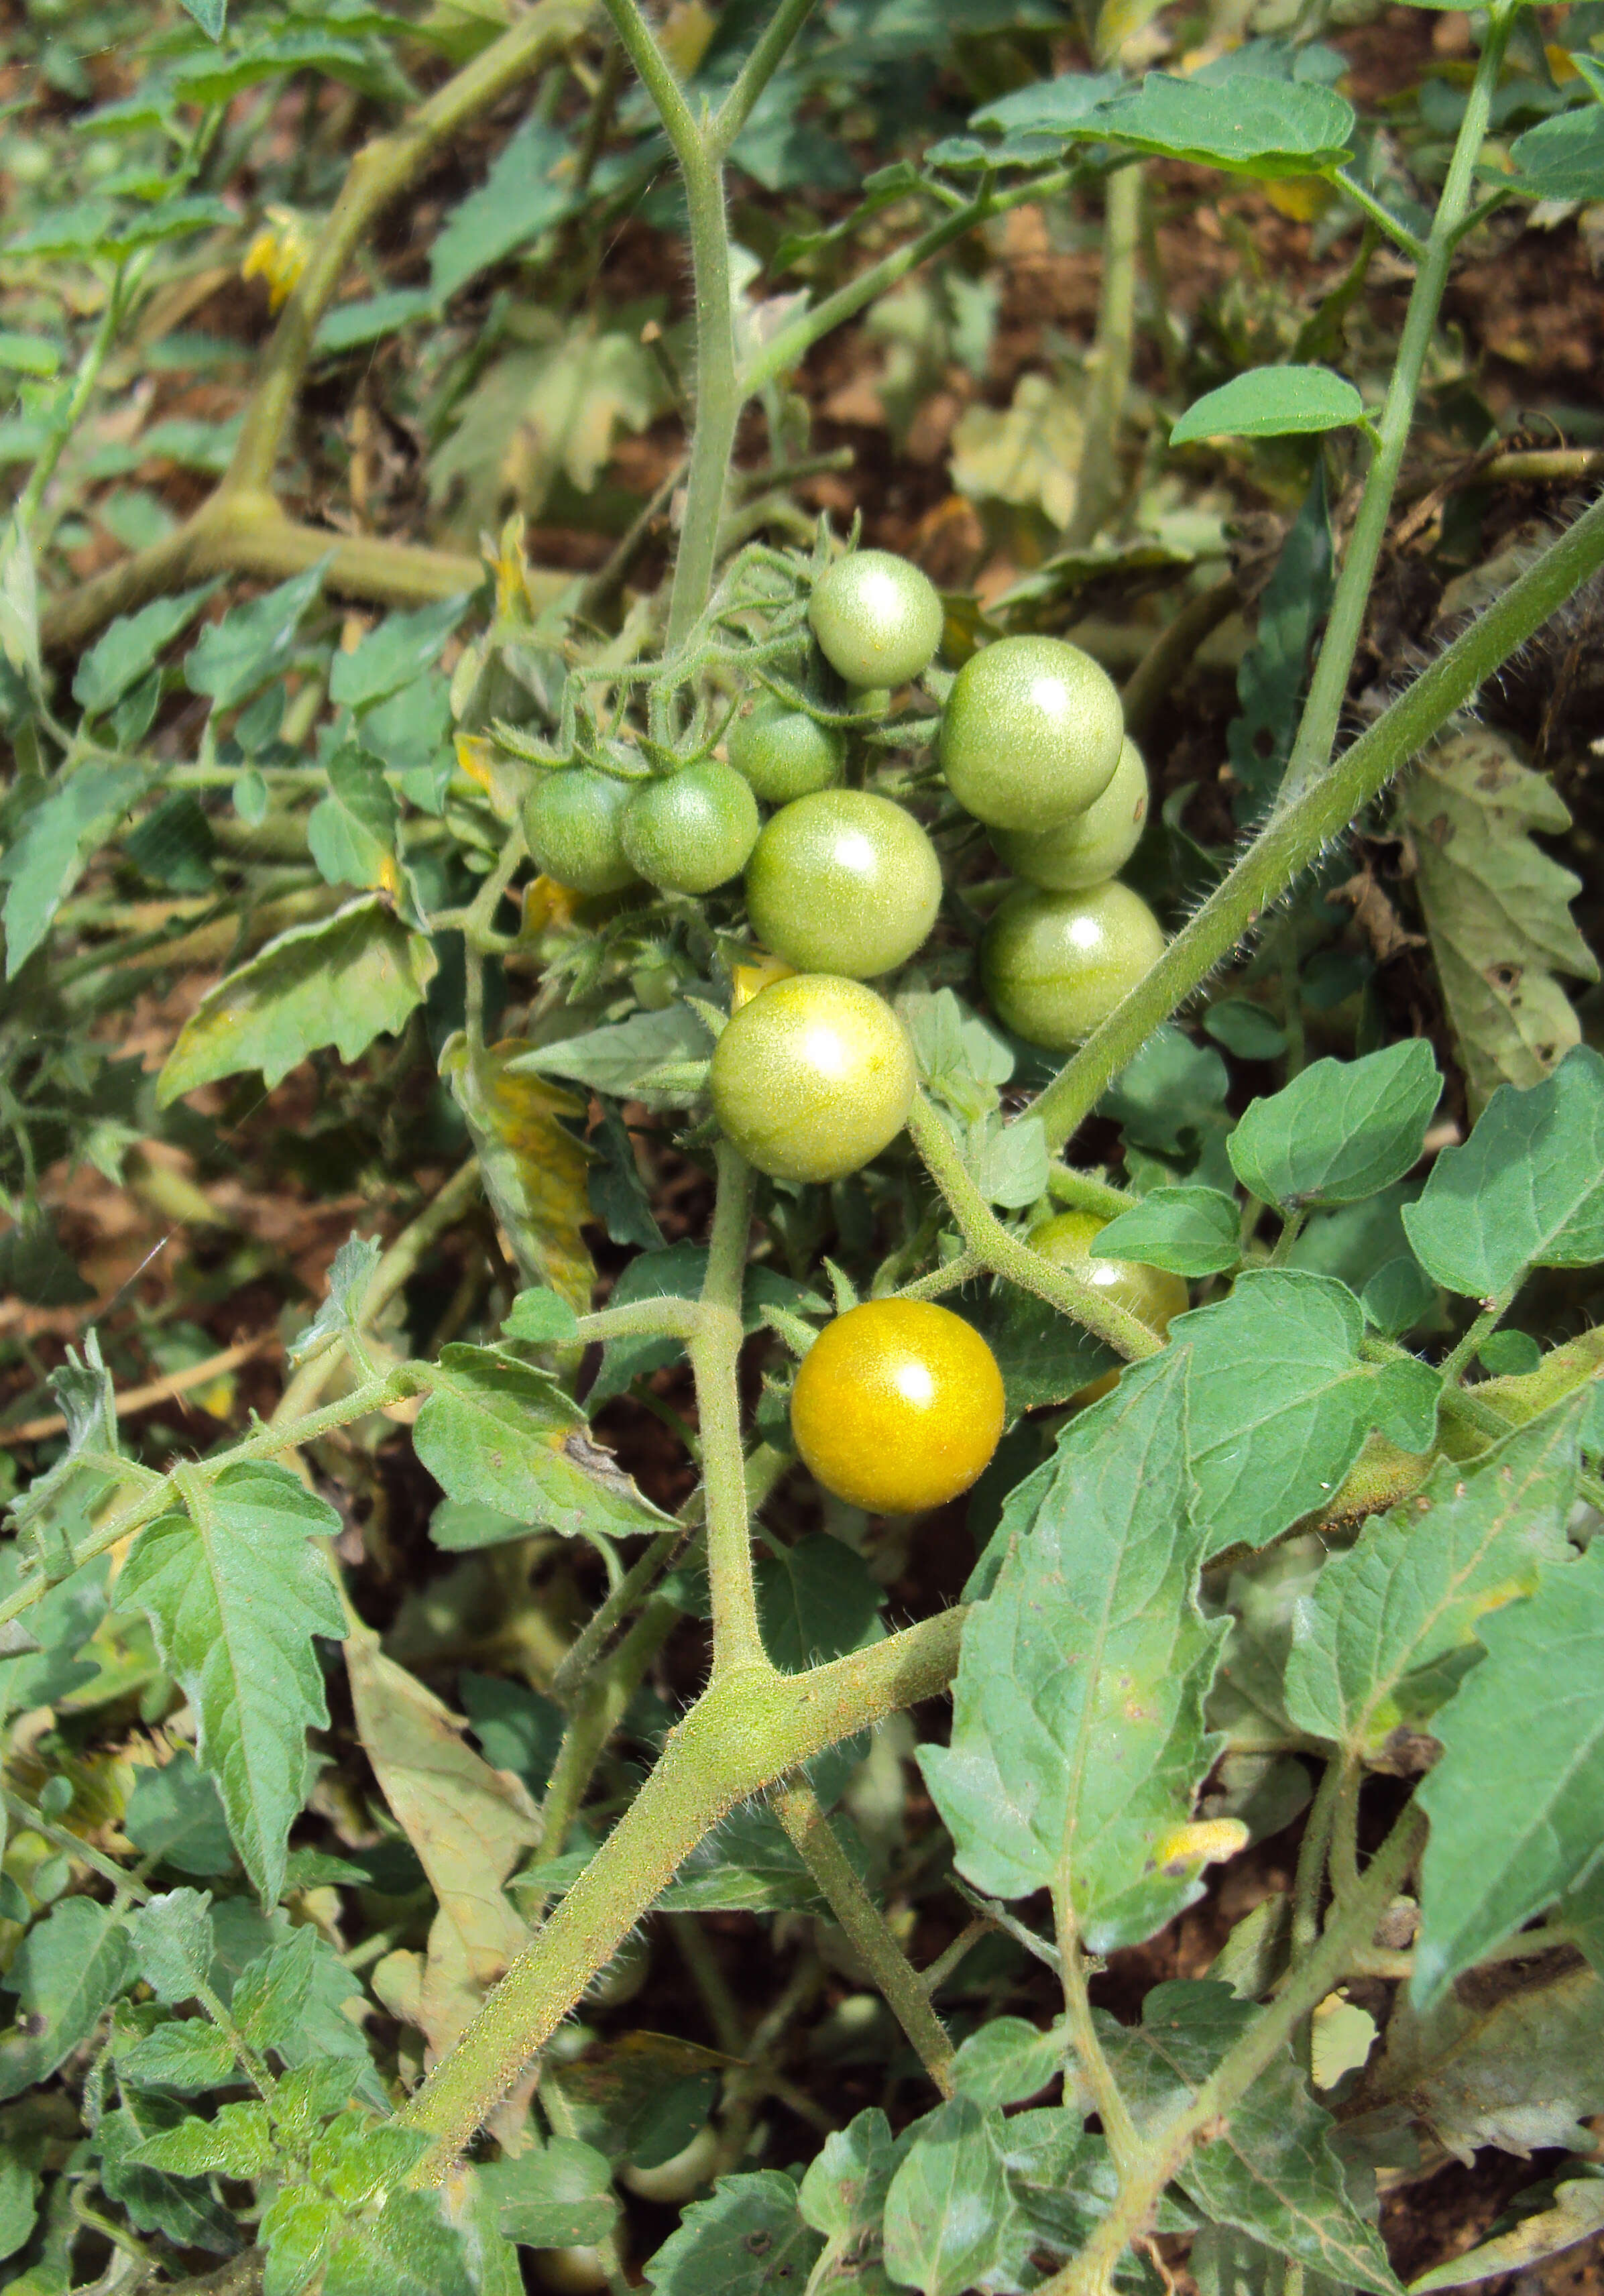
x,y
1298,830
865,1928
1005,1255
714,1358
740,1735
1166,2149
1327,689
1125,2146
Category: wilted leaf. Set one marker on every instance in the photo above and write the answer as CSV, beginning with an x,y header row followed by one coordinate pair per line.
x,y
535,1168
1272,2171
1573,2212
469,1824
234,1592
1516,1801
1089,1642
342,982
1507,2058
1028,453
1497,908
1409,1596
539,414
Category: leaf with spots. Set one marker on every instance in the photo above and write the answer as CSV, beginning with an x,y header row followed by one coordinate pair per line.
x,y
535,1169
1497,908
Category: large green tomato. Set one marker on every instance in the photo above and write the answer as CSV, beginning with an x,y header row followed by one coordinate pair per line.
x,y
878,619
814,1077
783,752
1088,848
1056,964
1030,734
574,826
843,882
692,830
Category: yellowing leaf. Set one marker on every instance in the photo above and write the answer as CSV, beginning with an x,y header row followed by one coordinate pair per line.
x,y
1027,454
469,1824
1497,908
551,410
534,1169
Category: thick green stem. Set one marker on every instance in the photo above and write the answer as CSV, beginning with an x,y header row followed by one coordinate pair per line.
x,y
1005,1255
1166,2149
1100,483
714,1359
1327,689
718,392
865,1928
1298,832
740,1735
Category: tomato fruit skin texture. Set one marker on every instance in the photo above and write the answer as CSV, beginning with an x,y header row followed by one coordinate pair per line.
x,y
783,754
1090,847
573,825
693,830
1153,1294
898,1405
1031,734
813,1079
843,882
876,618
1056,964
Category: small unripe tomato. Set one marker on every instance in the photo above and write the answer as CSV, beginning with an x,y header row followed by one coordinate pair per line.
x,y
573,825
813,1079
878,619
843,882
675,2180
1030,734
1153,1294
570,2271
1056,964
898,1407
692,830
1088,848
783,754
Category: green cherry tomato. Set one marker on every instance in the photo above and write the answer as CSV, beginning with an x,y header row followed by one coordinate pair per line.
x,y
1088,848
1056,964
843,882
692,830
814,1077
1153,1294
1030,734
876,618
783,754
574,826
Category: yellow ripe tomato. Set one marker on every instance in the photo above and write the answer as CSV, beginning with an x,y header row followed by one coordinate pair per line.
x,y
898,1407
1153,1294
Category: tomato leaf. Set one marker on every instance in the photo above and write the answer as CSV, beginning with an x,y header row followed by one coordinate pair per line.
x,y
235,1591
1516,1801
1192,1231
1526,1190
951,2219
1272,402
1406,1600
1090,1639
1341,1130
747,2239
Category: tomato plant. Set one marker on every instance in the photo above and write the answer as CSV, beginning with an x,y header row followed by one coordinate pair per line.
x,y
800,1141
